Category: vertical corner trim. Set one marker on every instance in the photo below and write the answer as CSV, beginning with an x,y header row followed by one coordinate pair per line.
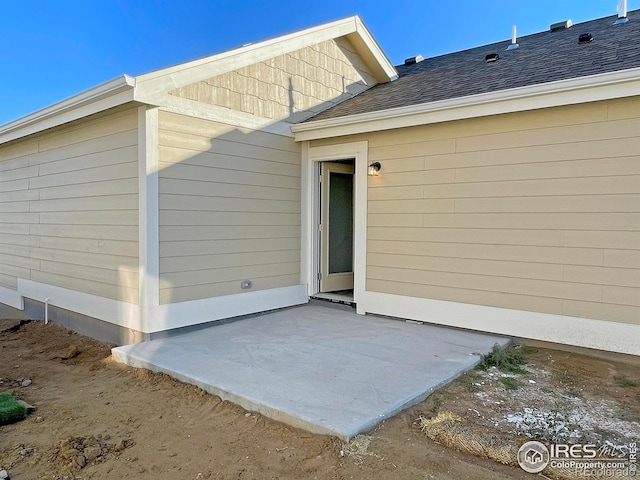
x,y
148,214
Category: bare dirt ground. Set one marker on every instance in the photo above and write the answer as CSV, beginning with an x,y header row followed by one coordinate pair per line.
x,y
97,419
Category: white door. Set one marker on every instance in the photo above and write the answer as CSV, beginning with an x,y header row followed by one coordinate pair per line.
x,y
336,205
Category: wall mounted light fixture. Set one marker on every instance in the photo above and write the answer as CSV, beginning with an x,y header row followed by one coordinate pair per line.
x,y
374,169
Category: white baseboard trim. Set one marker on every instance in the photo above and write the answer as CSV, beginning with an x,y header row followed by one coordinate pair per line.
x,y
12,298
184,314
113,311
581,332
160,317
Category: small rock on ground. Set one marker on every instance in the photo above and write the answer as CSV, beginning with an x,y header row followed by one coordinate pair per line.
x,y
71,352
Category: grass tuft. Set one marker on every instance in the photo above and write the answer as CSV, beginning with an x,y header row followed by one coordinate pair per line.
x,y
11,410
509,359
510,383
625,382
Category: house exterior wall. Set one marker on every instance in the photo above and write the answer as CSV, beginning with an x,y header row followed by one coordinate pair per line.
x,y
69,207
229,209
288,87
536,211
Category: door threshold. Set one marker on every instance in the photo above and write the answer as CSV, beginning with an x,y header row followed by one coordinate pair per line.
x,y
345,298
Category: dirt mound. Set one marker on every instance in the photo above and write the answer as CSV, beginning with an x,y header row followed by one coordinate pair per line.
x,y
76,453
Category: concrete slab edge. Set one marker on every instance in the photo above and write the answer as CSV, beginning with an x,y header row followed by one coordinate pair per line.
x,y
295,421
247,404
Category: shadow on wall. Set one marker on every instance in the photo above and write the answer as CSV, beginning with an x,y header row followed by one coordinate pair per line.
x,y
229,208
229,196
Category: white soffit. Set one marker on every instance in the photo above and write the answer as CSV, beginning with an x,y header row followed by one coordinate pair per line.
x,y
604,86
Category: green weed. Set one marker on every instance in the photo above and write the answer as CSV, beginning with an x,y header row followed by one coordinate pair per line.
x,y
509,359
437,403
510,383
625,382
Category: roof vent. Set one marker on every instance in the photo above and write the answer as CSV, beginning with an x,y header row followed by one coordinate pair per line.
x,y
492,57
585,38
622,13
413,60
556,27
514,44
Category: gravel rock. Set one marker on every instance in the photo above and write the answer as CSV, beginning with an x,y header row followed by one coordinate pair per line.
x,y
25,382
92,452
120,445
26,451
4,475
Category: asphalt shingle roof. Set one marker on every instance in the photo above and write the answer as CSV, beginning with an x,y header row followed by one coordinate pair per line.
x,y
541,58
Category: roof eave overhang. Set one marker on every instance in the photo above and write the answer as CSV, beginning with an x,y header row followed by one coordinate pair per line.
x,y
625,83
153,87
110,94
370,51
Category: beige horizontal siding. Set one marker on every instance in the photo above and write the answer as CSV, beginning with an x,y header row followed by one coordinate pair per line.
x,y
202,188
182,294
249,245
69,207
229,209
536,211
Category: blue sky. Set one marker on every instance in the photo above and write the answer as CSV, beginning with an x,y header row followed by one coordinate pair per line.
x,y
52,49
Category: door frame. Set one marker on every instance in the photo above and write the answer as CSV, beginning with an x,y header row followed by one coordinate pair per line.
x,y
310,235
343,278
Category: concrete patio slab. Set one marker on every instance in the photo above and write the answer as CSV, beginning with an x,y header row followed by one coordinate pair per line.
x,y
320,368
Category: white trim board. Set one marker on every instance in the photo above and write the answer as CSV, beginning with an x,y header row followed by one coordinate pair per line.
x,y
112,311
310,209
581,332
152,86
107,95
604,86
148,215
162,317
191,108
11,298
184,314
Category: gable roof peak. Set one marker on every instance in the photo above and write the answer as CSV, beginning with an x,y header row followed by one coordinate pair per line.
x,y
153,85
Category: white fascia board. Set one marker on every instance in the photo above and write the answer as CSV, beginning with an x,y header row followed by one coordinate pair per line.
x,y
593,88
368,48
107,95
153,86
